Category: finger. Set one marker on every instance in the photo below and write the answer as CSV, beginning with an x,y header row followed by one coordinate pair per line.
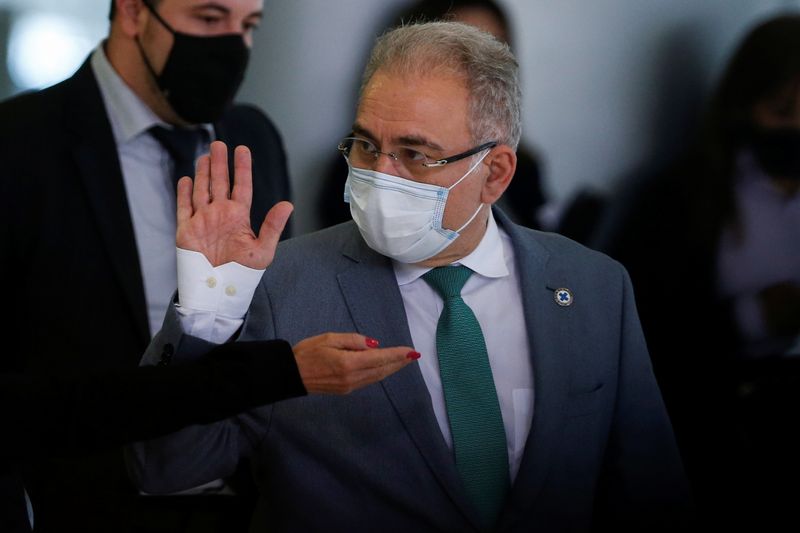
x,y
220,182
373,375
201,178
360,361
350,341
272,227
184,195
242,176
384,357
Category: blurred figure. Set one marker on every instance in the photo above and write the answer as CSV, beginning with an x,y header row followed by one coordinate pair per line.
x,y
713,248
524,196
87,208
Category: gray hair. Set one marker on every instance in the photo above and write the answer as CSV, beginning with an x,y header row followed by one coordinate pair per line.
x,y
488,67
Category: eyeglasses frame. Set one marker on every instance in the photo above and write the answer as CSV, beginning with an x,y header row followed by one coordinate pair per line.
x,y
437,163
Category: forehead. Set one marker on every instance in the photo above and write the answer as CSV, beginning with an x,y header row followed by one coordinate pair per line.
x,y
433,107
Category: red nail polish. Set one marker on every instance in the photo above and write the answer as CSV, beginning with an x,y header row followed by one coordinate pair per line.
x,y
372,343
413,355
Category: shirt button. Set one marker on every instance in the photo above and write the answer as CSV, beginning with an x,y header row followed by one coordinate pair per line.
x,y
230,290
211,282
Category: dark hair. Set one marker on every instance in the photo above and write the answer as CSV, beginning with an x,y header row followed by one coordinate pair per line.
x,y
433,10
764,66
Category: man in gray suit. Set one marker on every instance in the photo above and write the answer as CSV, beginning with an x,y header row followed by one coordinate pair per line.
x,y
533,406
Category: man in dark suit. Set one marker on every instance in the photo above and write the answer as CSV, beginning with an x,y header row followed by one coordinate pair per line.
x,y
533,406
88,210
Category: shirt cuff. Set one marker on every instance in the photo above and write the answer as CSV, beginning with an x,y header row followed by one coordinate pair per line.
x,y
226,290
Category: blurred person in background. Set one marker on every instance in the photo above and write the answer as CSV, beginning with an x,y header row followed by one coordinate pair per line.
x,y
713,249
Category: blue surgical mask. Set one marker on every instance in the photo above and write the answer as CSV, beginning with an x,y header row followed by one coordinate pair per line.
x,y
400,218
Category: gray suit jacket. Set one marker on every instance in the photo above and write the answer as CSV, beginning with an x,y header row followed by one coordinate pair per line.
x,y
600,450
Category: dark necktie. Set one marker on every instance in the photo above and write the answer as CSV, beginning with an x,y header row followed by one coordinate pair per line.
x,y
182,146
479,438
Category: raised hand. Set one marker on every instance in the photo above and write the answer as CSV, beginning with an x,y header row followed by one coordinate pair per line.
x,y
340,363
215,220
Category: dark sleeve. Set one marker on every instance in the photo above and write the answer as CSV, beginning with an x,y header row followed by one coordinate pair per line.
x,y
84,413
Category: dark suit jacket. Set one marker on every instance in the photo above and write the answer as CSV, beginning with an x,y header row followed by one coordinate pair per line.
x,y
90,411
67,238
600,454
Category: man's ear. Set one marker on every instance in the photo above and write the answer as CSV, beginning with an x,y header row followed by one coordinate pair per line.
x,y
129,16
502,162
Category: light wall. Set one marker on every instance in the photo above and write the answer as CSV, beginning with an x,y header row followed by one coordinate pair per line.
x,y
611,87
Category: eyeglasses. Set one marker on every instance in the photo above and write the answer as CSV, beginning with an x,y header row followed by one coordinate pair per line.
x,y
362,152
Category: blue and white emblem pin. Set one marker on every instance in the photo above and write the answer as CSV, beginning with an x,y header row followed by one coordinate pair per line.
x,y
563,297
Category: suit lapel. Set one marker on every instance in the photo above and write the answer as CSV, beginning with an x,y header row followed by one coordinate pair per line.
x,y
549,333
95,154
370,291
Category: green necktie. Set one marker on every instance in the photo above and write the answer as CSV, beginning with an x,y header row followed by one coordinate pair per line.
x,y
479,438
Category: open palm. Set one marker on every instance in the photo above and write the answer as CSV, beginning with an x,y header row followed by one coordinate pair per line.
x,y
214,219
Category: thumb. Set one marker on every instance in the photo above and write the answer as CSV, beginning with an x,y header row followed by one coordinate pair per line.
x,y
272,227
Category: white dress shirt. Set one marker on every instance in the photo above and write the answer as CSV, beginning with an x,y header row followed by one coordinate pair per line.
x,y
146,172
212,301
147,176
209,311
493,294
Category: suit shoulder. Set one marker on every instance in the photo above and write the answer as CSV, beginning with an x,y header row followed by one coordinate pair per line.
x,y
320,244
28,111
250,118
313,259
569,254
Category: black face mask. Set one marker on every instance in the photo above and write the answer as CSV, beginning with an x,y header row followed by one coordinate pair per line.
x,y
202,74
777,150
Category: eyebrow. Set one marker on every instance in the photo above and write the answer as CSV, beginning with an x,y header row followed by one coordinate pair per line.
x,y
212,5
407,140
225,10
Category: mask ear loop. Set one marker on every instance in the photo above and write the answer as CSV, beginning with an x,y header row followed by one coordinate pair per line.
x,y
147,62
471,169
467,223
158,17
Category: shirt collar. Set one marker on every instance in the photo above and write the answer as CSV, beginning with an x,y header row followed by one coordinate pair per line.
x,y
128,114
487,259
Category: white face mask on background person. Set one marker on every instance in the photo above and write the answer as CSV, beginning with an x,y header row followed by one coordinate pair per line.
x,y
400,218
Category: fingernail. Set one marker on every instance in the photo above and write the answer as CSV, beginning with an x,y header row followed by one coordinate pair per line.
x,y
372,343
413,355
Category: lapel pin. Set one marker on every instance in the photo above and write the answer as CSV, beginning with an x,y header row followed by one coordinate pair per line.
x,y
563,297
